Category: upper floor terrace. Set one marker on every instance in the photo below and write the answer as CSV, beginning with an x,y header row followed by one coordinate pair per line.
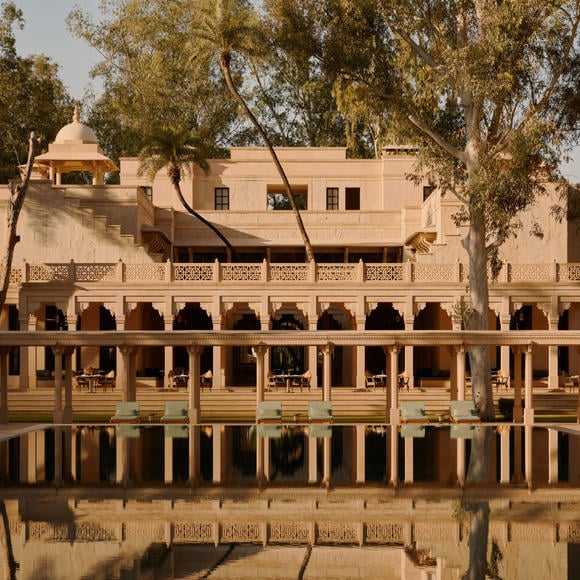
x,y
265,272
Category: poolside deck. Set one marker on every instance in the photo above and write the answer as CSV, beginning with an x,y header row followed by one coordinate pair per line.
x,y
239,403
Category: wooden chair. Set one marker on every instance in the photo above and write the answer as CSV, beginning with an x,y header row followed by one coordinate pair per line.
x,y
501,381
205,380
274,382
109,381
403,380
81,382
304,381
370,380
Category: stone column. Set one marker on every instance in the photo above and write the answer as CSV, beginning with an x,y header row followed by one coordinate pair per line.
x,y
409,352
68,362
260,351
4,355
259,457
327,351
218,361
460,370
120,324
528,394
518,411
128,379
57,414
312,356
504,349
553,377
360,356
393,374
168,353
71,324
194,353
31,355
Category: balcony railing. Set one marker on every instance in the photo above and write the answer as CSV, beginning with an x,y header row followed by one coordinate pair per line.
x,y
265,272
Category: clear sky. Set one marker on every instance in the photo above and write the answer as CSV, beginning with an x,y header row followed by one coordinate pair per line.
x,y
46,32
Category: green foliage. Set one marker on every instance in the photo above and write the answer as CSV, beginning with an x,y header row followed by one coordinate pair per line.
x,y
32,97
150,80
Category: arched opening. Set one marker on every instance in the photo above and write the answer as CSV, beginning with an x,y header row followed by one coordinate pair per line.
x,y
383,317
192,317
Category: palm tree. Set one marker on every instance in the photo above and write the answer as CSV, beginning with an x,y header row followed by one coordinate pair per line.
x,y
169,147
222,28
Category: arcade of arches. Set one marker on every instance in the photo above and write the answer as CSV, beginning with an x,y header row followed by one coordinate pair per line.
x,y
236,366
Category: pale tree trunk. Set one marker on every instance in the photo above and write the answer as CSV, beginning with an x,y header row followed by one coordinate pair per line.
x,y
475,245
11,238
224,61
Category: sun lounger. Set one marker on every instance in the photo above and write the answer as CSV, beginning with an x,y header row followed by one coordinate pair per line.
x,y
413,412
464,412
127,412
269,412
320,411
175,412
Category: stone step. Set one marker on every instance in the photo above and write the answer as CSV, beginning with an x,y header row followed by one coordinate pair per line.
x,y
240,403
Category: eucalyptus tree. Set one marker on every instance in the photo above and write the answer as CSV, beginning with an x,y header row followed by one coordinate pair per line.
x,y
170,148
221,30
484,88
147,80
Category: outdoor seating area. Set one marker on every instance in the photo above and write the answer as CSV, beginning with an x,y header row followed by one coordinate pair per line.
x,y
92,380
289,381
205,380
374,380
178,379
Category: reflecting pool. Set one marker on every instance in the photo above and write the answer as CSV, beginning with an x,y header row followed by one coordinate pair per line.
x,y
290,501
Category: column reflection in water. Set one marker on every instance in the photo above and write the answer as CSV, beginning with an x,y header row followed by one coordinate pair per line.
x,y
291,454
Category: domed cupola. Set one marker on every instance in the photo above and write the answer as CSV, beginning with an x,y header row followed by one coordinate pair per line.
x,y
76,132
75,148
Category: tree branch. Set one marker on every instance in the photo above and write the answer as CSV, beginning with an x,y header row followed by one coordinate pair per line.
x,y
450,149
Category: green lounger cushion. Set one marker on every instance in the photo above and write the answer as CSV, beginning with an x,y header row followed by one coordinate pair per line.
x,y
175,411
319,411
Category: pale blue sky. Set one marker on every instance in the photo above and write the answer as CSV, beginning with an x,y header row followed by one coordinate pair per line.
x,y
46,32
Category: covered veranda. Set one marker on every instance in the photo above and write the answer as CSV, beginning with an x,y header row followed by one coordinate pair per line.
x,y
128,343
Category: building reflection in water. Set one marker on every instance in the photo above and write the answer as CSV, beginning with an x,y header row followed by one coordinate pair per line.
x,y
81,500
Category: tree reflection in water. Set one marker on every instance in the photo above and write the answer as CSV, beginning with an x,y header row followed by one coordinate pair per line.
x,y
478,472
288,452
